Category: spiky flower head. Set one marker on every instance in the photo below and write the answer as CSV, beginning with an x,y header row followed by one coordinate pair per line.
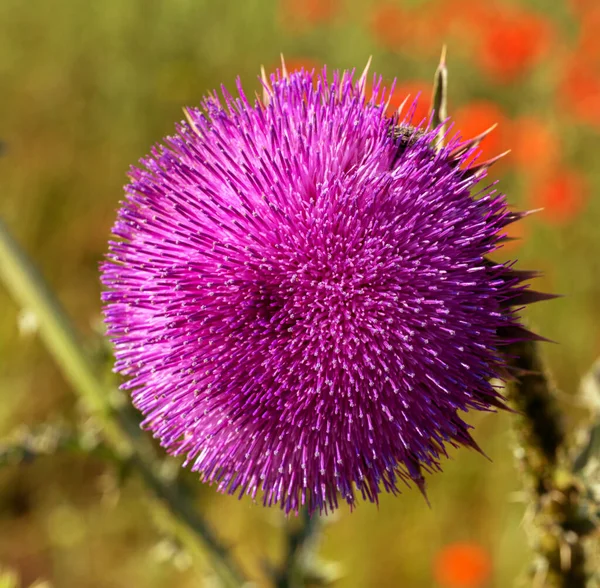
x,y
299,295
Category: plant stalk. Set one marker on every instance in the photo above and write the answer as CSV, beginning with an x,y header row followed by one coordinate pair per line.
x,y
31,292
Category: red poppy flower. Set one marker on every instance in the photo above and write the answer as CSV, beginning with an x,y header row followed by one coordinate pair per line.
x,y
588,45
516,41
475,118
389,26
412,90
579,91
462,565
535,147
467,17
298,14
562,195
420,30
583,7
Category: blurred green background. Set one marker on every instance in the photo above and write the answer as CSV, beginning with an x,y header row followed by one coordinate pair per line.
x,y
87,87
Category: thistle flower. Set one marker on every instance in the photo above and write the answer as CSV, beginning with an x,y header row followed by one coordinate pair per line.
x,y
299,295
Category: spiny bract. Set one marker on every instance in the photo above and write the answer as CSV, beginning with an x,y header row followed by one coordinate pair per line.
x,y
299,297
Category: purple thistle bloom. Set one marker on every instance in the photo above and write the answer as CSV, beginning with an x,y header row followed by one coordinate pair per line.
x,y
299,296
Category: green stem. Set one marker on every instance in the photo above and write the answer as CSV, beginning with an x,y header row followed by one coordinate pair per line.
x,y
28,444
559,528
300,542
30,291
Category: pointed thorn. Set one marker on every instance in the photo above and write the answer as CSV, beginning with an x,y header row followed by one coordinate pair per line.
x,y
507,408
259,101
485,133
470,442
530,297
471,143
507,239
524,275
423,490
514,334
401,107
532,211
513,217
362,81
504,373
284,71
417,477
475,170
521,372
493,160
267,90
340,92
443,56
387,104
190,120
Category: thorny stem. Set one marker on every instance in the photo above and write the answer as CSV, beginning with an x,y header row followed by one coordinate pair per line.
x,y
29,289
299,546
26,445
558,526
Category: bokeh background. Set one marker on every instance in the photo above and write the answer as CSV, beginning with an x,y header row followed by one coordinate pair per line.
x,y
87,87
